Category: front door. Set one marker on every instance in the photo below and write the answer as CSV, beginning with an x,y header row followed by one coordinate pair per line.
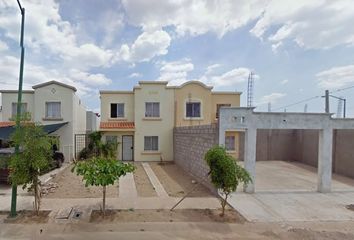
x,y
127,148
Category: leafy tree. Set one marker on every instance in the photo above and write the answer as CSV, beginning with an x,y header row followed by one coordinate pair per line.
x,y
225,173
33,158
96,148
99,171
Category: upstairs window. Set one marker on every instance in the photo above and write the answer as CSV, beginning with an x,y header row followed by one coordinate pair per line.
x,y
230,143
117,110
151,143
218,106
53,110
152,109
193,109
14,109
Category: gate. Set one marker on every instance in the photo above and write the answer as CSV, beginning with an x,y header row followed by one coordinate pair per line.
x,y
81,141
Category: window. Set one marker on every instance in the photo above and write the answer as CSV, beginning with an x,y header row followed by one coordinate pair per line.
x,y
193,109
111,139
152,109
14,109
53,110
230,143
218,106
117,110
151,143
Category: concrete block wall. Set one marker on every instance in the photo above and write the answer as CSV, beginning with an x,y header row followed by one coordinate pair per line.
x,y
190,145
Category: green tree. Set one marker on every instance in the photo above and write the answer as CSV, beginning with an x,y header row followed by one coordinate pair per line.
x,y
99,171
33,158
225,173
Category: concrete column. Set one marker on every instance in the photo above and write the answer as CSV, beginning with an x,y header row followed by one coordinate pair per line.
x,y
325,160
250,157
221,137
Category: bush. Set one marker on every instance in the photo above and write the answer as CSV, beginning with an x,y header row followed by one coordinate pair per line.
x,y
225,173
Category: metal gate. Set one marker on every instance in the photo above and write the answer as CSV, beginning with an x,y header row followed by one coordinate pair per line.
x,y
81,141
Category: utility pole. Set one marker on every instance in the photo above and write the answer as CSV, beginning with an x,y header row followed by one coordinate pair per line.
x,y
327,101
19,104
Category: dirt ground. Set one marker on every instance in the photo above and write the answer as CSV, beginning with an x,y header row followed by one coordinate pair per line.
x,y
142,182
29,217
177,182
71,186
160,215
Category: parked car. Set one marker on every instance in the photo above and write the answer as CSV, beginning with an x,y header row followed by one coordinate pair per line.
x,y
5,154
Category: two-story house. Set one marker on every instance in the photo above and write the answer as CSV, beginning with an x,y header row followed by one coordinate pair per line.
x,y
142,120
50,103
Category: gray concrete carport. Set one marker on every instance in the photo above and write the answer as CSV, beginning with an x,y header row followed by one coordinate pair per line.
x,y
248,121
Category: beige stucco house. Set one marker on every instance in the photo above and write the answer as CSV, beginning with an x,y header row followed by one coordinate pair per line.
x,y
49,103
142,120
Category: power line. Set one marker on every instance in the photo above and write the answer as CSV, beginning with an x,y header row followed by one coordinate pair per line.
x,y
296,103
312,98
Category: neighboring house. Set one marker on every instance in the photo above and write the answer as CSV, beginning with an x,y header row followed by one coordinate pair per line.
x,y
50,103
91,121
142,120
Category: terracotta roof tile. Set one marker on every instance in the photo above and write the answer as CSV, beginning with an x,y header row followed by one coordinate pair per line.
x,y
117,125
7,124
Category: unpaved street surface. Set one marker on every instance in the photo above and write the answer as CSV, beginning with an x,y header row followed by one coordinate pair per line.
x,y
69,185
177,182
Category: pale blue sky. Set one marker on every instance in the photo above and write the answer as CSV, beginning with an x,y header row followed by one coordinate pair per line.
x,y
297,49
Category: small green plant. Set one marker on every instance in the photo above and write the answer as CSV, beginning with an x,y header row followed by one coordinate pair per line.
x,y
99,171
33,158
225,173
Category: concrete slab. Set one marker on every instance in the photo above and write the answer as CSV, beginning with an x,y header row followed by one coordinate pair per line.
x,y
161,192
127,187
280,176
288,192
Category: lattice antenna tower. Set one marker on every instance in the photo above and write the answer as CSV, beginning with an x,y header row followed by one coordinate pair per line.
x,y
250,87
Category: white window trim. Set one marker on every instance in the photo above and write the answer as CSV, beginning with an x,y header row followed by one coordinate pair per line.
x,y
46,117
193,100
110,110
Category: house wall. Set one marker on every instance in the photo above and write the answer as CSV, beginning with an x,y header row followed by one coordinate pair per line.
x,y
91,121
161,127
119,139
190,92
64,95
190,146
232,98
117,97
9,98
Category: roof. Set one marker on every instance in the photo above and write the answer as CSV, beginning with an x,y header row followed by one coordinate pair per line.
x,y
117,125
7,130
54,82
7,124
15,91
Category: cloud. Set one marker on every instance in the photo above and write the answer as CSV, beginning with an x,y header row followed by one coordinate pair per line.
x,y
175,72
146,46
316,24
231,78
271,98
336,77
48,34
3,46
193,17
211,68
135,75
285,81
33,74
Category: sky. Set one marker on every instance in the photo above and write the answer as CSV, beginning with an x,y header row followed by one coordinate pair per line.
x,y
296,49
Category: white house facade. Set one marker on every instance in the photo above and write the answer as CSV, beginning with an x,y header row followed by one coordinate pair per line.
x,y
49,103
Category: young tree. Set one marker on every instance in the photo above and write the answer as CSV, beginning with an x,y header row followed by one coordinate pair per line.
x,y
34,156
225,173
100,171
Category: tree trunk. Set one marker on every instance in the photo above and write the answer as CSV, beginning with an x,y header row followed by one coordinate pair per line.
x,y
36,196
104,201
223,204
